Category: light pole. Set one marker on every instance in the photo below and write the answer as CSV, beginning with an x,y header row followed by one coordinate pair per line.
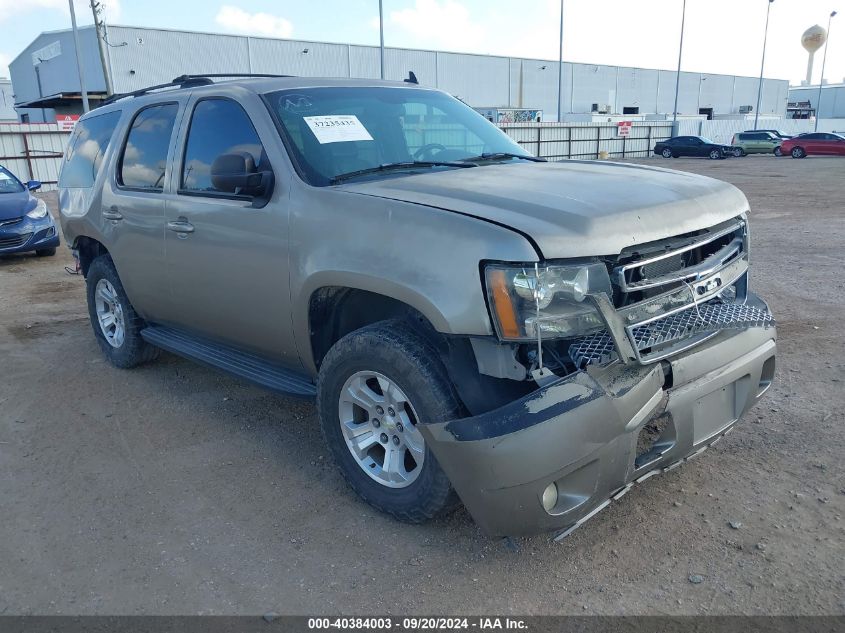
x,y
678,77
821,79
82,88
762,63
381,35
560,70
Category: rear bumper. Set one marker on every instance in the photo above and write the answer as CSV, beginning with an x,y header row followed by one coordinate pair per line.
x,y
580,433
29,235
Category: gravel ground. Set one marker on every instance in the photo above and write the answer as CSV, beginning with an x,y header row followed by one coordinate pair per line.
x,y
172,489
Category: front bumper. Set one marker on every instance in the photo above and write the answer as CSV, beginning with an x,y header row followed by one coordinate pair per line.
x,y
581,433
28,235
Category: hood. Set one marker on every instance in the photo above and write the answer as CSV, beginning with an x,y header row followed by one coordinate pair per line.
x,y
572,208
14,205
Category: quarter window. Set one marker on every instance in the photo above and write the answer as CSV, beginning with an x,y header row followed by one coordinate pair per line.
x,y
218,126
144,158
85,150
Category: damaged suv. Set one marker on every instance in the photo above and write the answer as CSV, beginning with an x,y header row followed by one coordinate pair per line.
x,y
476,325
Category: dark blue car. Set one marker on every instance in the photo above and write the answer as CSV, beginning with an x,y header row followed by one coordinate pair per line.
x,y
25,223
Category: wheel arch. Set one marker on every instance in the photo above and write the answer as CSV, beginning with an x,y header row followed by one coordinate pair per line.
x,y
334,307
88,249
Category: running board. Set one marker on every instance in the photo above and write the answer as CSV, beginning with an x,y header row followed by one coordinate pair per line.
x,y
248,366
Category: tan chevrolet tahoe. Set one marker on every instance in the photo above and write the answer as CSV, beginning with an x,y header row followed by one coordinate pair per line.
x,y
476,325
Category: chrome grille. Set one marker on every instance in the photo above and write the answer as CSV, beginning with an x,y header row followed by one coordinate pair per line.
x,y
10,222
680,260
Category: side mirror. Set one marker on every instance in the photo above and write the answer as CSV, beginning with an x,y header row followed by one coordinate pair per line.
x,y
236,173
33,185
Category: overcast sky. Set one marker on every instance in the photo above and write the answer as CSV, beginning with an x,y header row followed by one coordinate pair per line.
x,y
722,36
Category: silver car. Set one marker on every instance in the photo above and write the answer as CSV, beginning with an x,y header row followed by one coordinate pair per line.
x,y
476,325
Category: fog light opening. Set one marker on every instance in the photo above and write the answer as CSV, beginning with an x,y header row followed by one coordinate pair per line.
x,y
550,495
766,376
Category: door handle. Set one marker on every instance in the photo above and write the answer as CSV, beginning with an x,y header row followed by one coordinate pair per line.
x,y
181,226
112,214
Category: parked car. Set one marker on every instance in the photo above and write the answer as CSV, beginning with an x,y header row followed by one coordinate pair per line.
x,y
692,146
534,337
781,135
755,143
25,222
821,143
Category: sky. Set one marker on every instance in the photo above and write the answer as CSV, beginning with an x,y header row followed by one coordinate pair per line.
x,y
721,36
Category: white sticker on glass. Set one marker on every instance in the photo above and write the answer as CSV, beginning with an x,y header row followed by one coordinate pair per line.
x,y
337,128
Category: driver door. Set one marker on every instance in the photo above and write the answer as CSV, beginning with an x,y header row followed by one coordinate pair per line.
x,y
226,251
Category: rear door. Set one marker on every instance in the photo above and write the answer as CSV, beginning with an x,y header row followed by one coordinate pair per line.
x,y
227,254
133,205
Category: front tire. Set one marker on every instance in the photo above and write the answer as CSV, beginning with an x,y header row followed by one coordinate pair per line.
x,y
715,154
375,387
45,252
117,327
798,152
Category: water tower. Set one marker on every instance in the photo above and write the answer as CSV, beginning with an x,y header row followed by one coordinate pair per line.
x,y
812,40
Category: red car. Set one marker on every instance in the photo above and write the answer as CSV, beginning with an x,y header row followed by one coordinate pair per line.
x,y
814,143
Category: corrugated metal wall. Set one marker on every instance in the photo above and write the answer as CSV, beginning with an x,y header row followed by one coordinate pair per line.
x,y
832,101
156,56
33,151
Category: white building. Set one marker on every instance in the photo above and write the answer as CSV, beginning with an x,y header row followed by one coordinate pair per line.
x,y
831,106
45,78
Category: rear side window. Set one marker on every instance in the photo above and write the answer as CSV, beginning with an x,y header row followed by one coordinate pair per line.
x,y
144,158
218,126
85,150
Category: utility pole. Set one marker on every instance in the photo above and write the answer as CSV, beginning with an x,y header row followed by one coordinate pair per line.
x,y
79,69
678,77
381,35
762,63
821,79
100,30
560,70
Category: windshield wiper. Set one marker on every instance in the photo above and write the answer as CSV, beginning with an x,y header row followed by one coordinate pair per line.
x,y
408,164
501,155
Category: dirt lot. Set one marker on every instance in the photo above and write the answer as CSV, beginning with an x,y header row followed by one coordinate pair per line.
x,y
172,489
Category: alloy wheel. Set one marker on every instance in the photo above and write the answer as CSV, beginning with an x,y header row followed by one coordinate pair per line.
x,y
379,425
109,313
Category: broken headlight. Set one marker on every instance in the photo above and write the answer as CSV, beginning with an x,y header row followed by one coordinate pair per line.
x,y
548,300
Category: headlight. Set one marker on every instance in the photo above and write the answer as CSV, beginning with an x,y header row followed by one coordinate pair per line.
x,y
548,297
40,211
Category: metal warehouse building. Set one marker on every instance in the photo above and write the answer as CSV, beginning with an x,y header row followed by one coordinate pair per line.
x,y
831,105
46,82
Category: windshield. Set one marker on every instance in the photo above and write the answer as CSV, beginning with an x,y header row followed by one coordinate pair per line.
x,y
339,131
704,139
8,183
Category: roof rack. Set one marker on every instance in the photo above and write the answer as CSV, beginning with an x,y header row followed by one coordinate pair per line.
x,y
184,81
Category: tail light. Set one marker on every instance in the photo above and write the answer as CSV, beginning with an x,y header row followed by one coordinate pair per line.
x,y
733,140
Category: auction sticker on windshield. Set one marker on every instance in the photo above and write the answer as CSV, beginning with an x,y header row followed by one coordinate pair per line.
x,y
337,128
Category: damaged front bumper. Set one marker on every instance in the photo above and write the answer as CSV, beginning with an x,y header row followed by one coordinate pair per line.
x,y
554,458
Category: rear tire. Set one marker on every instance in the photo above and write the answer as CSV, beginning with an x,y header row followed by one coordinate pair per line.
x,y
798,152
45,252
739,152
666,153
778,152
397,370
117,327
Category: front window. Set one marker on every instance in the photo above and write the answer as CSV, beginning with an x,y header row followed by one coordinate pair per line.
x,y
333,132
8,183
